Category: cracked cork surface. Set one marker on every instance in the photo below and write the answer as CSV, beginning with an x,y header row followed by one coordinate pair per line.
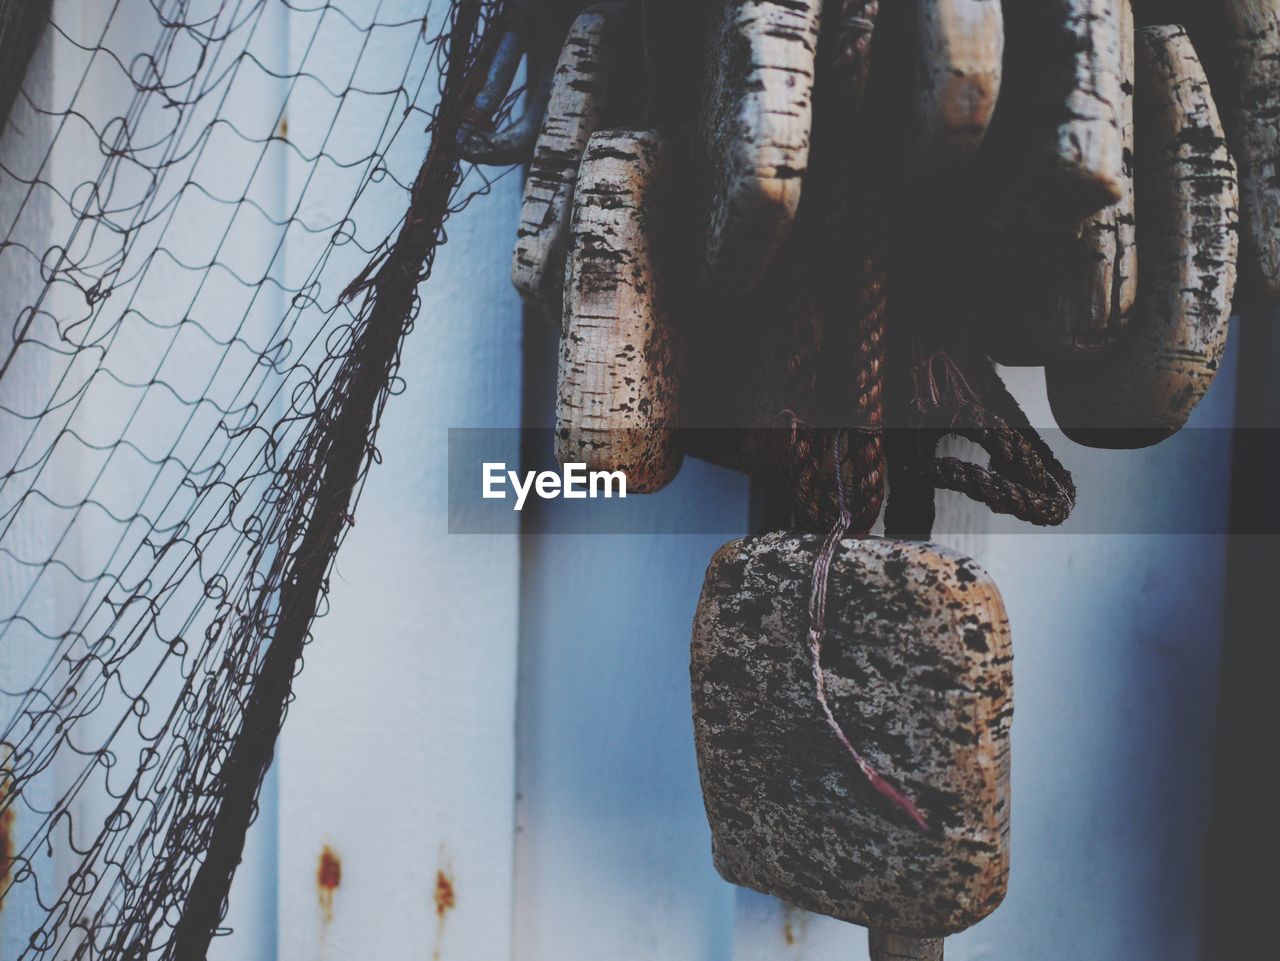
x,y
582,94
617,391
1145,388
753,132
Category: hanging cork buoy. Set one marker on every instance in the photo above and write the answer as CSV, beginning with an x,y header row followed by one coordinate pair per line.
x,y
582,95
915,667
1108,259
1245,69
960,50
1068,290
1146,387
1059,128
753,131
617,393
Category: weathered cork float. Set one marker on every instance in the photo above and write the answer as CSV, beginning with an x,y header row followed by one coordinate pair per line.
x,y
1251,117
584,97
1239,43
753,144
1058,258
959,61
918,665
617,395
768,224
1069,55
1100,278
1145,389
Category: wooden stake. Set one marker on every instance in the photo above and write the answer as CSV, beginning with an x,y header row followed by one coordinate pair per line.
x,y
754,131
581,96
884,946
617,395
1146,387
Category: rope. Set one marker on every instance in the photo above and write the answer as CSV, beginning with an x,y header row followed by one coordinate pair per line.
x,y
861,415
844,379
817,629
1024,478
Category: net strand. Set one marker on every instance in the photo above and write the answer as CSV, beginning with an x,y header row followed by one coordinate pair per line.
x,y
189,562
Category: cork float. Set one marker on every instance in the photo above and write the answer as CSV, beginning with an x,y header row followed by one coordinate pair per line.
x,y
1107,275
583,93
960,51
1059,127
753,131
916,666
1242,41
1146,386
617,390
1068,290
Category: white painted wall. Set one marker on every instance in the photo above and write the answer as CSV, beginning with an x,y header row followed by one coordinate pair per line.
x,y
1117,641
561,802
399,751
398,759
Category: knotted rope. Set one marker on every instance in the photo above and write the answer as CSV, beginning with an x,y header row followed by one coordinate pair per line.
x,y
1024,478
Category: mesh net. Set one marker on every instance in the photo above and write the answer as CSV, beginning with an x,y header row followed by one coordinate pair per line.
x,y
189,395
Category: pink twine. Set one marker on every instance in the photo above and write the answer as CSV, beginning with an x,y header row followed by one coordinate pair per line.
x,y
817,627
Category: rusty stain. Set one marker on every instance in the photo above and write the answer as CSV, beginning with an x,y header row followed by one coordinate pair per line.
x,y
283,130
328,877
6,833
445,897
6,850
794,922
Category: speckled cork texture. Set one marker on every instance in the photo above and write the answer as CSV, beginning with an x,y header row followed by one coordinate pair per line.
x,y
1145,387
617,400
582,93
918,670
753,131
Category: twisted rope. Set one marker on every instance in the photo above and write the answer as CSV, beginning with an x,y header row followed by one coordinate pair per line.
x,y
859,414
843,381
1024,477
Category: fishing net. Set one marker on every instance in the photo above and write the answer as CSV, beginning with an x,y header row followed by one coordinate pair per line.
x,y
205,314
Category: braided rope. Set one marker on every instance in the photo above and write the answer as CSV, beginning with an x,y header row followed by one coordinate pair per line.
x,y
1024,478
853,365
834,377
845,384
